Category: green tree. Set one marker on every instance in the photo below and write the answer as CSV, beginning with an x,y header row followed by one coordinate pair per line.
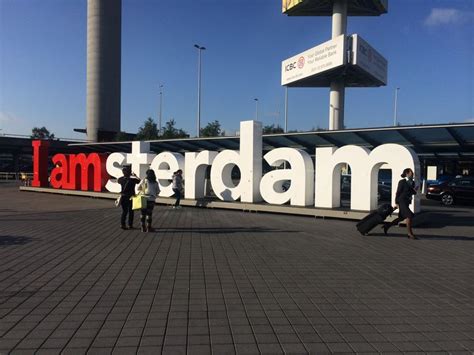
x,y
170,131
41,133
149,130
272,129
213,129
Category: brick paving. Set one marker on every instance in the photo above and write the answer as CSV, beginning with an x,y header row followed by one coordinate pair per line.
x,y
225,282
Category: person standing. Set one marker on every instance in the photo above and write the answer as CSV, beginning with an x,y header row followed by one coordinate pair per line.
x,y
127,182
177,187
405,191
150,189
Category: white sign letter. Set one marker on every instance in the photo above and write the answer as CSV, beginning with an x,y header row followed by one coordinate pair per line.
x,y
300,176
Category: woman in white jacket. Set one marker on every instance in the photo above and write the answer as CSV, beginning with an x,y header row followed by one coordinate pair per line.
x,y
150,189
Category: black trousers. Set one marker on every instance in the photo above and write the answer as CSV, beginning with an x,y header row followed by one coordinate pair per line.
x,y
177,194
126,204
147,213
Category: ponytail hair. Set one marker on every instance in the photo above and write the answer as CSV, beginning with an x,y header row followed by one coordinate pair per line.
x,y
405,172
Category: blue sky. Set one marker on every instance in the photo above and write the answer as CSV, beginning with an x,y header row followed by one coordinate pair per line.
x,y
429,46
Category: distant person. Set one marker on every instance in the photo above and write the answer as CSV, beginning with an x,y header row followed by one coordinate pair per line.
x,y
150,189
128,182
177,187
405,191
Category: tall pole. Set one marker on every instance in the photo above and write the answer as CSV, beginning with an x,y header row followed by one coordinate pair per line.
x,y
286,109
161,110
337,88
256,109
198,128
395,113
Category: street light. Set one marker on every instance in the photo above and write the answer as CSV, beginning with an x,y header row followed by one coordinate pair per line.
x,y
161,110
200,49
395,107
256,109
286,109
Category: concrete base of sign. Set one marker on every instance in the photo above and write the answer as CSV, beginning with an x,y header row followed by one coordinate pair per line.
x,y
338,213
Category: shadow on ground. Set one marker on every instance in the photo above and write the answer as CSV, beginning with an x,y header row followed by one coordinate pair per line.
x,y
6,240
225,230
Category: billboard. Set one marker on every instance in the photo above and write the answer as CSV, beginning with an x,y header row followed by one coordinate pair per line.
x,y
319,59
368,59
288,4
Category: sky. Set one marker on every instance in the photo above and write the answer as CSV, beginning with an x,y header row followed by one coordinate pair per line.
x,y
429,45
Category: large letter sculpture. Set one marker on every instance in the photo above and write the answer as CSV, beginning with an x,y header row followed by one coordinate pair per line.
x,y
40,163
114,169
249,161
364,166
195,174
164,164
300,175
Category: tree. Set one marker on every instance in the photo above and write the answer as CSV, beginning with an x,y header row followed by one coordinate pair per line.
x,y
149,130
272,129
41,133
170,131
213,129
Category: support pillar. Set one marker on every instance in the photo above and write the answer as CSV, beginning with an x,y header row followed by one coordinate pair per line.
x,y
337,90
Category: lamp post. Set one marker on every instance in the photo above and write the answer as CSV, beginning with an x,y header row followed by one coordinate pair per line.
x,y
395,107
256,109
198,128
161,110
286,109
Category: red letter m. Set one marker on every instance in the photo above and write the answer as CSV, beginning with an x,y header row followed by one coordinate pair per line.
x,y
87,172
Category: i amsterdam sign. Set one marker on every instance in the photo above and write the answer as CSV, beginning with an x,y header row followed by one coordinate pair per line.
x,y
312,184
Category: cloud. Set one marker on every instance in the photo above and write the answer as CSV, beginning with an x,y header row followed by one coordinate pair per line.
x,y
448,16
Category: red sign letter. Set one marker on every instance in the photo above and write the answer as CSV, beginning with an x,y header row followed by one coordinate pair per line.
x,y
85,171
59,174
40,163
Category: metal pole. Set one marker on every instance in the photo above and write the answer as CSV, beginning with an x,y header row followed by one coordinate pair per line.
x,y
198,128
395,113
199,95
256,109
161,110
286,109
337,88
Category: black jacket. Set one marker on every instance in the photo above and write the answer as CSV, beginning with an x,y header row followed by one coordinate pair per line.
x,y
405,191
128,185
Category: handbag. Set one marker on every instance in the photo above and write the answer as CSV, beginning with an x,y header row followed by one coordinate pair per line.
x,y
118,200
139,202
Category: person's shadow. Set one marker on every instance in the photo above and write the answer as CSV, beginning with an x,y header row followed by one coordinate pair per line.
x,y
6,240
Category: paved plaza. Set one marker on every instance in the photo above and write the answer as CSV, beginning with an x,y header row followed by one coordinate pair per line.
x,y
224,282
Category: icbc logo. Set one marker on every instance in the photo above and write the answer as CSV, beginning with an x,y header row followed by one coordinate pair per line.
x,y
290,66
300,62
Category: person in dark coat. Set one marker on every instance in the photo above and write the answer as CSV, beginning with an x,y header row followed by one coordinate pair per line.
x,y
127,182
405,191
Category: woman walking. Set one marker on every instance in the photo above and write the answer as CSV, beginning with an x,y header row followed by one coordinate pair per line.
x,y
127,182
177,187
405,190
150,189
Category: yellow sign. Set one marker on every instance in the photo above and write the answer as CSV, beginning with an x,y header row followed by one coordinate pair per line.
x,y
288,4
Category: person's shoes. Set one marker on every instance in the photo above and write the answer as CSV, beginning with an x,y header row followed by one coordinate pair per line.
x,y
174,207
385,228
124,227
144,229
178,207
150,229
412,237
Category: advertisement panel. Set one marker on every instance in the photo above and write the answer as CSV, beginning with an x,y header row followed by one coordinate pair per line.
x,y
319,59
368,59
288,4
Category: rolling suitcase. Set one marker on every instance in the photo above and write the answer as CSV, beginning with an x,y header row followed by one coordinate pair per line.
x,y
373,219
